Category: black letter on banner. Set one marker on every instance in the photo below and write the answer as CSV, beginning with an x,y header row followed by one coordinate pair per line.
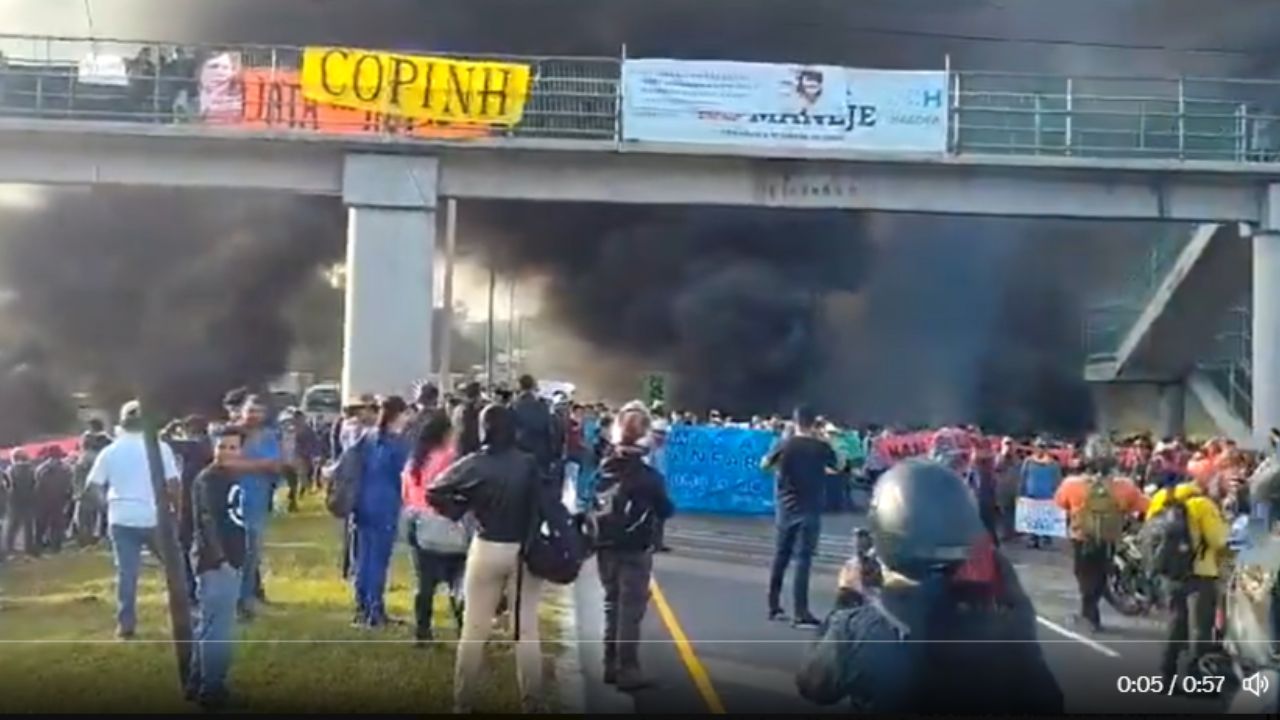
x,y
355,77
324,71
429,87
867,116
488,91
398,81
461,93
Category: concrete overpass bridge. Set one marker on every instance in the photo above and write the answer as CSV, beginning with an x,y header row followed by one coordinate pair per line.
x,y
1197,151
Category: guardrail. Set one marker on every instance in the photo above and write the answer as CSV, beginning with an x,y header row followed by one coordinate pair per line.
x,y
1230,363
990,113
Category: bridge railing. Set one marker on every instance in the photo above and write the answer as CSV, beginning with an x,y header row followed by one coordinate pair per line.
x,y
1107,324
259,87
569,97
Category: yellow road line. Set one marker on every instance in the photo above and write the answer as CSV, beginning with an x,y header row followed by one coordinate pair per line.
x,y
691,663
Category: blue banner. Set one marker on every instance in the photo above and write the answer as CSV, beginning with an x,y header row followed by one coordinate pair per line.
x,y
717,470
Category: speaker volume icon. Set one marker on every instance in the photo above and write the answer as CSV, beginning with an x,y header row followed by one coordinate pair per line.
x,y
1257,684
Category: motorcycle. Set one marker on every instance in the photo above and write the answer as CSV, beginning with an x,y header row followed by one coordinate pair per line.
x,y
1130,588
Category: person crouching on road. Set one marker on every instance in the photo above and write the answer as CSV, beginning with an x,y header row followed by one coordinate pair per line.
x,y
630,501
377,512
439,544
498,485
217,557
1097,503
1193,596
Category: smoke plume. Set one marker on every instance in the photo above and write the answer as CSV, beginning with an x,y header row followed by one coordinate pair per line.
x,y
913,319
174,294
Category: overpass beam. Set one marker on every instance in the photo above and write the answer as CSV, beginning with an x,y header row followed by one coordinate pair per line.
x,y
391,202
1266,320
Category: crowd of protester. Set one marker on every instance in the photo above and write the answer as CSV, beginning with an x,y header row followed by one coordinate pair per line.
x,y
454,476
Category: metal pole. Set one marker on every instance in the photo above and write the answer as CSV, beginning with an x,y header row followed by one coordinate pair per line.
x,y
1039,121
955,110
1182,118
488,345
175,574
1070,108
511,334
446,332
619,98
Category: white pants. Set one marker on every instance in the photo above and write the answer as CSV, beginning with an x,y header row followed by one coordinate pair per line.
x,y
491,567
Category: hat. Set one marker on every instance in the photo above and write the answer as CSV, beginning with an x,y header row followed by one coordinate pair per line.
x,y
131,410
366,400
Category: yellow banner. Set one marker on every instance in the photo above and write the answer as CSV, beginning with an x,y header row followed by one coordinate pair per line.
x,y
417,86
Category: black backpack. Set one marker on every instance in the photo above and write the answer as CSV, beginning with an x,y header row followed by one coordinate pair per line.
x,y
1170,550
557,544
620,520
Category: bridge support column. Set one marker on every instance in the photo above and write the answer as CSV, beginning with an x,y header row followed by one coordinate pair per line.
x,y
391,202
1173,409
1266,320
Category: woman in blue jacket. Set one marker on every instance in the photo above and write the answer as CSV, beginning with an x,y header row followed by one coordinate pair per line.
x,y
384,453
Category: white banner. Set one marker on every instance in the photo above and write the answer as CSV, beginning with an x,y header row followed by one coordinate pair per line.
x,y
796,106
109,70
1039,517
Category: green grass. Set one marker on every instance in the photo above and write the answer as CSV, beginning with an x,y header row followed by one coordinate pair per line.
x,y
57,652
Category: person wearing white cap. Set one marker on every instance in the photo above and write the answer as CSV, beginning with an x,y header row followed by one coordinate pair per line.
x,y
122,471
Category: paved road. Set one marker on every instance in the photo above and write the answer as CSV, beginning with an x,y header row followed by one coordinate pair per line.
x,y
713,588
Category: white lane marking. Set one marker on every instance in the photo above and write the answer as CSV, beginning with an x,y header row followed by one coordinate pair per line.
x,y
1078,637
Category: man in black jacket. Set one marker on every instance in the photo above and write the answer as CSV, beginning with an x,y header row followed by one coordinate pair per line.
x,y
54,492
631,499
466,420
22,505
534,428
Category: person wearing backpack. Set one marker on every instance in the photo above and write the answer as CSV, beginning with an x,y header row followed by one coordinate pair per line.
x,y
1186,537
630,502
1097,504
500,486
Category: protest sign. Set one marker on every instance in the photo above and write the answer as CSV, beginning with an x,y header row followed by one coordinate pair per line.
x,y
275,100
1040,517
717,470
478,92
777,105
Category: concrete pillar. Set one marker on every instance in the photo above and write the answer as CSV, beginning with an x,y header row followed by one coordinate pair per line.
x,y
1173,410
1266,320
391,203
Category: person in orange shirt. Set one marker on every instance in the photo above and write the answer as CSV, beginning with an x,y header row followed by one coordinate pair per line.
x,y
1097,502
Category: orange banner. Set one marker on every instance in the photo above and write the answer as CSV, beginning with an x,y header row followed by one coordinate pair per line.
x,y
273,100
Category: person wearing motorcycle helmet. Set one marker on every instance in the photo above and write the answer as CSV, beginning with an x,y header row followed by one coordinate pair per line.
x,y
883,654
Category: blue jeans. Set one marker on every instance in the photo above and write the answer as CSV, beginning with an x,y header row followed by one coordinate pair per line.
x,y
252,563
803,529
126,545
211,655
373,558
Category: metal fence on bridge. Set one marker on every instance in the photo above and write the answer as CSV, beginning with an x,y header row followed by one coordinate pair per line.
x,y
990,113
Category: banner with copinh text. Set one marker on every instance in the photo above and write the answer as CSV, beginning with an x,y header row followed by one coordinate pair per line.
x,y
784,106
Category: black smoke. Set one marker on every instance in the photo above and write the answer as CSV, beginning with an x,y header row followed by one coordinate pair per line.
x,y
943,323
730,300
174,294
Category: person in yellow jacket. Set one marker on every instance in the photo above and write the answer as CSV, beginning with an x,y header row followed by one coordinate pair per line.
x,y
1193,600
